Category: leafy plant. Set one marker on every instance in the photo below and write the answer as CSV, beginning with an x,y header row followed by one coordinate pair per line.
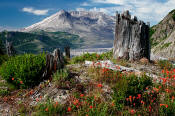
x,y
24,70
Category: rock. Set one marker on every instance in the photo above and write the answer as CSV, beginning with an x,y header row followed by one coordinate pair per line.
x,y
144,60
131,38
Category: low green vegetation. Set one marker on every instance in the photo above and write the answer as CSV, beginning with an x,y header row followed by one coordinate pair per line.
x,y
3,58
173,16
49,109
23,70
91,57
152,41
165,45
37,42
165,64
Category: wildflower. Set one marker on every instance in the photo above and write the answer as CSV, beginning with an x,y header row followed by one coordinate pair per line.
x,y
130,98
81,95
132,111
69,109
31,92
142,102
149,108
112,104
90,107
13,79
37,99
172,97
163,71
56,103
139,96
127,99
75,102
21,82
46,109
133,97
99,85
164,105
167,90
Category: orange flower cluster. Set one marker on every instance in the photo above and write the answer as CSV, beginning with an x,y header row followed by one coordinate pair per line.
x,y
164,105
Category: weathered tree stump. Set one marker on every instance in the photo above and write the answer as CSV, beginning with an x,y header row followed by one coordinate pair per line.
x,y
54,62
131,38
67,51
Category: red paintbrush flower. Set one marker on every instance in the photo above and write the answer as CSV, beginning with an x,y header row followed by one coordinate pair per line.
x,y
69,109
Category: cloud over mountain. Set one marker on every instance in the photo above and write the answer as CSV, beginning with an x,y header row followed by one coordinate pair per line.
x,y
147,10
35,11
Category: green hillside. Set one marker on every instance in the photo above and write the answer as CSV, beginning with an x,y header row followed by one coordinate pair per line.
x,y
39,41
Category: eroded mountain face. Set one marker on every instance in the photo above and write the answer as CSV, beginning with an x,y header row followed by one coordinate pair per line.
x,y
163,37
96,28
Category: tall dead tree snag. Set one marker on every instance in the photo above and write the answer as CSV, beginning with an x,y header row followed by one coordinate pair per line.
x,y
54,62
10,49
67,52
131,38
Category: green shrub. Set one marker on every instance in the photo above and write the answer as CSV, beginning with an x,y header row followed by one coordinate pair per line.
x,y
3,58
137,85
129,86
23,70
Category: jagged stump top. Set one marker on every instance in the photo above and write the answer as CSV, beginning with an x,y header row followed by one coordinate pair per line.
x,y
131,38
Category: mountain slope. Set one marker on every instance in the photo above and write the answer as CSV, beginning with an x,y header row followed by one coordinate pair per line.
x,y
95,28
163,37
39,41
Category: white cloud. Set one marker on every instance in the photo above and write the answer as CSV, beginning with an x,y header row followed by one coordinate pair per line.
x,y
35,11
85,4
147,10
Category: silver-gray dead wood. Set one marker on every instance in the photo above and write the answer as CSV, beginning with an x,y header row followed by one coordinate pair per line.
x,y
131,38
54,62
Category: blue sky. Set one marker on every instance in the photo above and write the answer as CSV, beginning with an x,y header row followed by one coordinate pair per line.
x,y
23,13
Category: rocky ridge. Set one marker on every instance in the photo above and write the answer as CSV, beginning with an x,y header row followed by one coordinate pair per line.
x,y
163,37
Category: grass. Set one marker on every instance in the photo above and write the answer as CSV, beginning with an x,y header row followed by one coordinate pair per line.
x,y
165,45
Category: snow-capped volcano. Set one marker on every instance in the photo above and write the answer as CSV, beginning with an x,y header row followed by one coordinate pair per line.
x,y
96,28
